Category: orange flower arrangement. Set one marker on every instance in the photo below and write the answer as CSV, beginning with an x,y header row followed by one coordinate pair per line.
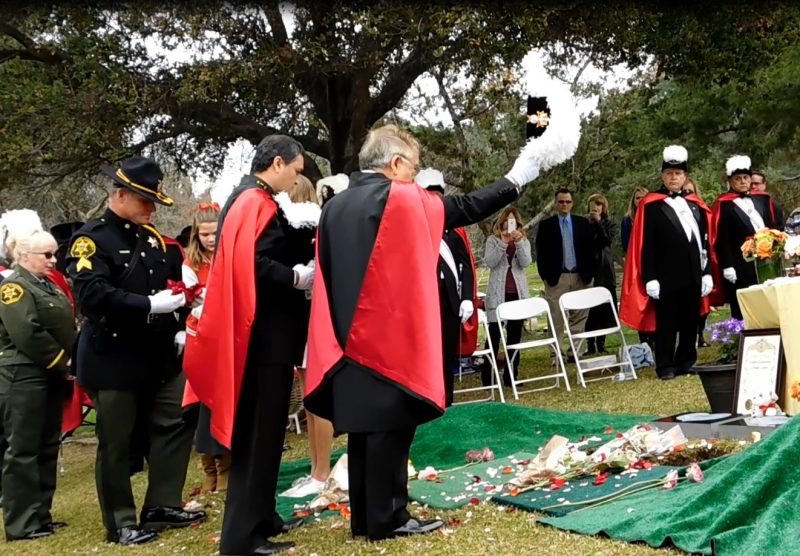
x,y
767,243
796,390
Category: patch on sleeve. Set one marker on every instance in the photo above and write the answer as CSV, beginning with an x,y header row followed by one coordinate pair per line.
x,y
83,248
11,293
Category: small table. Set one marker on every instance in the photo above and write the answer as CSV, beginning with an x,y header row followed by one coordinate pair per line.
x,y
777,305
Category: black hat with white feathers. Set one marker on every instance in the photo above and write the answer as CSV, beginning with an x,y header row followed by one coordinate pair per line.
x,y
675,156
738,164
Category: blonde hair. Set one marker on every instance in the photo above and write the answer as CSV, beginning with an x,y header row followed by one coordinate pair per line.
x,y
303,191
206,213
385,142
497,228
694,185
598,199
632,203
23,243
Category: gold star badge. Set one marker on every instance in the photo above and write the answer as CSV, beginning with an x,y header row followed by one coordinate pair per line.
x,y
83,248
10,293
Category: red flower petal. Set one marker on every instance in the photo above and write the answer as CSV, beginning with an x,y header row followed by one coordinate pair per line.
x,y
474,501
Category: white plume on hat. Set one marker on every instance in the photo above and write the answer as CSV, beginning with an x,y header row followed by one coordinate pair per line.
x,y
430,177
675,153
17,222
560,141
337,182
299,215
737,162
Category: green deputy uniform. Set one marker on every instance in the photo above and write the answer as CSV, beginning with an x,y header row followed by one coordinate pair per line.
x,y
36,336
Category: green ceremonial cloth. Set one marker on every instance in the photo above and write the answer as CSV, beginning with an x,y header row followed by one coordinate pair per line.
x,y
506,429
748,504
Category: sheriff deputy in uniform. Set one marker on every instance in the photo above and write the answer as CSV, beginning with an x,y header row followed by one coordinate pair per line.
x,y
36,337
126,357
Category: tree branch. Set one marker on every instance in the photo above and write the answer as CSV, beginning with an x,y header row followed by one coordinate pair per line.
x,y
35,52
397,84
462,138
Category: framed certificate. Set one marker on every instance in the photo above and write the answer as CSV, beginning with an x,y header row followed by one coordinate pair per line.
x,y
760,368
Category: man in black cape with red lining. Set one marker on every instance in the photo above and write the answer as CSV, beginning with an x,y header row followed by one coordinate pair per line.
x,y
375,347
736,215
239,361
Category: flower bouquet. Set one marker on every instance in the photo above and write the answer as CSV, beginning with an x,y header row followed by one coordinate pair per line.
x,y
726,333
766,250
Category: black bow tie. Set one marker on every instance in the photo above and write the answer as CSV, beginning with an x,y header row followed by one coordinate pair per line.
x,y
745,195
675,194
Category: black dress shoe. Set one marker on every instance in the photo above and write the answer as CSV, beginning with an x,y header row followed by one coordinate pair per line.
x,y
291,525
129,536
268,548
164,517
418,527
33,535
667,375
55,525
701,343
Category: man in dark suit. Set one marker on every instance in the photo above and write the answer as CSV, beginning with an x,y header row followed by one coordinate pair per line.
x,y
758,183
737,215
565,256
456,284
675,267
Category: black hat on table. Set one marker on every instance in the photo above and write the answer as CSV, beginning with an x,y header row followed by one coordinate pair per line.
x,y
675,156
141,175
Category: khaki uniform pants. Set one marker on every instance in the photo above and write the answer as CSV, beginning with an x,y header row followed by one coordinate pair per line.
x,y
567,282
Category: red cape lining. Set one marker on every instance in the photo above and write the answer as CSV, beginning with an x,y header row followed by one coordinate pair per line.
x,y
469,329
216,354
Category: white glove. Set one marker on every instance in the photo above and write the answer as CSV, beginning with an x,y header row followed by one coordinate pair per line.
x,y
180,341
465,310
730,274
653,289
706,285
303,276
166,302
524,171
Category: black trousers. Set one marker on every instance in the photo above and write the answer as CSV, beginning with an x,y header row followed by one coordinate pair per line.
x,y
513,336
378,476
119,414
256,448
676,322
732,298
451,328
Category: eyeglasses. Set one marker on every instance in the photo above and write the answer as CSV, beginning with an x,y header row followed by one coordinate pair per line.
x,y
47,254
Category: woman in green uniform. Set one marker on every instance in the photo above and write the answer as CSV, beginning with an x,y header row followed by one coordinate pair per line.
x,y
36,336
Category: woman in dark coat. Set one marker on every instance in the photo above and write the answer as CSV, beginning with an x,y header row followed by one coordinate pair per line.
x,y
605,230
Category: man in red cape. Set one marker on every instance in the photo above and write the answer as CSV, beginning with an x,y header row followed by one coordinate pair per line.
x,y
240,359
736,215
375,345
668,269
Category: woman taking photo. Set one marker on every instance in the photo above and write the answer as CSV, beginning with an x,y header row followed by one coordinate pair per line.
x,y
36,336
507,254
602,316
214,457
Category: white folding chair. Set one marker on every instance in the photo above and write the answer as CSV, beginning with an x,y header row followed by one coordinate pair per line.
x,y
497,384
525,309
584,300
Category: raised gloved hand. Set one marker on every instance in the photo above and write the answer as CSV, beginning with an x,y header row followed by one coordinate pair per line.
x,y
653,289
180,341
465,310
303,276
524,171
729,274
166,302
706,285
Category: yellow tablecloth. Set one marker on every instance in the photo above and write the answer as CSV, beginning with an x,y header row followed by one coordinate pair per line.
x,y
777,306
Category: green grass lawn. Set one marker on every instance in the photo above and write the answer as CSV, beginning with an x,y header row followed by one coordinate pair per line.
x,y
483,529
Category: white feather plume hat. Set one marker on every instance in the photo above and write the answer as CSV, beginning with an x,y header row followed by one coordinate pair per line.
x,y
738,164
430,177
675,156
554,109
17,222
337,183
